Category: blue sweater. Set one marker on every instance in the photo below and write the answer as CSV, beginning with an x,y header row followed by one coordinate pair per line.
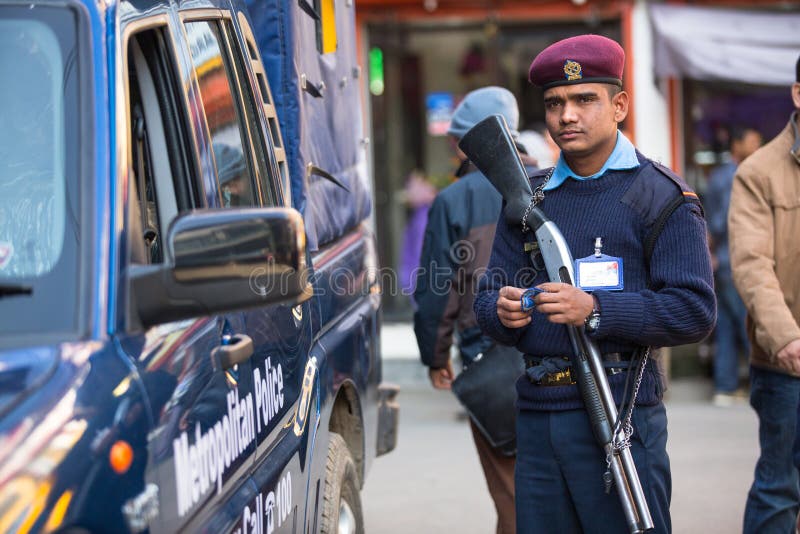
x,y
677,308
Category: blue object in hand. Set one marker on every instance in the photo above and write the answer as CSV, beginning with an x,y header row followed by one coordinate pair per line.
x,y
528,296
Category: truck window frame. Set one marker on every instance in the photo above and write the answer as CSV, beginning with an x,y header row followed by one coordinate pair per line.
x,y
150,52
271,132
148,48
254,150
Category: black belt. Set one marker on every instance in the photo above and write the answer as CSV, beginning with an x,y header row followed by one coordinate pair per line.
x,y
614,362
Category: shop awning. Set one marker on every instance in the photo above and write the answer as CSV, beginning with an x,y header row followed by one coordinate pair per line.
x,y
726,44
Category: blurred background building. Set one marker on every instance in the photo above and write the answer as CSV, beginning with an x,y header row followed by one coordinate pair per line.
x,y
693,69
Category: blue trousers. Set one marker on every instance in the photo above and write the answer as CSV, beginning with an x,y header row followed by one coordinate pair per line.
x,y
730,336
774,498
558,477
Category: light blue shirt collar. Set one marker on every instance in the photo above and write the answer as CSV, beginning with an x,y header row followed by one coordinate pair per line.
x,y
623,157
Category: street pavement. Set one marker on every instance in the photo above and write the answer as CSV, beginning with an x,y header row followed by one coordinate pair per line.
x,y
432,482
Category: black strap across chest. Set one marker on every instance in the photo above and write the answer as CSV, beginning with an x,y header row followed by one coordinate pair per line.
x,y
654,195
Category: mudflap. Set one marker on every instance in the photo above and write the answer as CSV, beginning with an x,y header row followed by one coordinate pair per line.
x,y
388,417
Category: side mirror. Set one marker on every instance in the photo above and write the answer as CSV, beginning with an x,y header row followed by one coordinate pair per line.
x,y
223,261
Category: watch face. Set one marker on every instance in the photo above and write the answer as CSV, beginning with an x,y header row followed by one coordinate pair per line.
x,y
593,321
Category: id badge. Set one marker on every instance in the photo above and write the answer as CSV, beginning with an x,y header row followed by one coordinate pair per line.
x,y
599,272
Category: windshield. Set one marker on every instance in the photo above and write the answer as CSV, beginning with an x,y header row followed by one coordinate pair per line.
x,y
40,215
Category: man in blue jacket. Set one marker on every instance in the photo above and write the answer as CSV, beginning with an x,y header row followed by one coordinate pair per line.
x,y
730,335
639,292
458,239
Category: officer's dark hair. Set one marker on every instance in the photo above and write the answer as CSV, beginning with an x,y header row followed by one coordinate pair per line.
x,y
797,71
613,90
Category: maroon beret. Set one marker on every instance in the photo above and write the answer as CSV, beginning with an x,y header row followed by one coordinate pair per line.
x,y
581,59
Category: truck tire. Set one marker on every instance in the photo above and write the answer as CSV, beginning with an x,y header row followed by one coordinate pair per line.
x,y
341,507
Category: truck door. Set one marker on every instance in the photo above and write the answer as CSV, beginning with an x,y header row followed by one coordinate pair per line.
x,y
248,174
284,375
196,373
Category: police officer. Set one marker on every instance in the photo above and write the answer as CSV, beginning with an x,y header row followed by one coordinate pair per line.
x,y
650,284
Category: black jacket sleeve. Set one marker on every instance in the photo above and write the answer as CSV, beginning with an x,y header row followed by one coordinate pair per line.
x,y
435,295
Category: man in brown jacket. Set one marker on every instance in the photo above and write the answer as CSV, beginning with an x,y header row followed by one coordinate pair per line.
x,y
764,229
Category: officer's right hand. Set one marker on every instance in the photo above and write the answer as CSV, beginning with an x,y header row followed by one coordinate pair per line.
x,y
509,308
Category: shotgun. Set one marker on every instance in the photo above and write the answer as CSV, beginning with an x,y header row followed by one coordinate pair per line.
x,y
490,147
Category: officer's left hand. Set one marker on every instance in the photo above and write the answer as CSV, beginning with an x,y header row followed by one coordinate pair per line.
x,y
564,304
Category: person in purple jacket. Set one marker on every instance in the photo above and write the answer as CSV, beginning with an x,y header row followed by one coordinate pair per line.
x,y
419,193
635,291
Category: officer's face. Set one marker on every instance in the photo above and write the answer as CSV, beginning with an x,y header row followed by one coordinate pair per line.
x,y
583,118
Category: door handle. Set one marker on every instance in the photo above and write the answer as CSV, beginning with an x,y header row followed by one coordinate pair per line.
x,y
236,351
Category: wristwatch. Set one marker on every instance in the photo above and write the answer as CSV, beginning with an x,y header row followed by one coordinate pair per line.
x,y
592,321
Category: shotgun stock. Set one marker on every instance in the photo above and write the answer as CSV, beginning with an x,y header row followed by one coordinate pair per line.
x,y
487,146
490,147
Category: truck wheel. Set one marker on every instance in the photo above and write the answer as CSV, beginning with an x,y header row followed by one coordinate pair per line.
x,y
341,507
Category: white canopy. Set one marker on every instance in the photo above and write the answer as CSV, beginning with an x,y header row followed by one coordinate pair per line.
x,y
726,44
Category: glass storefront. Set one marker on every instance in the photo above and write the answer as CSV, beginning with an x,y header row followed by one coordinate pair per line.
x,y
711,109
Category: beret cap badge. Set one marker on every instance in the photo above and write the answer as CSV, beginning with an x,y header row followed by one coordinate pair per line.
x,y
572,70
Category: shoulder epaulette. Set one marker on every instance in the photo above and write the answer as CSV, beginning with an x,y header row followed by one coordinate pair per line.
x,y
656,200
687,192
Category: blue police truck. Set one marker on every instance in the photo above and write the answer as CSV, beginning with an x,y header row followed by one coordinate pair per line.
x,y
189,299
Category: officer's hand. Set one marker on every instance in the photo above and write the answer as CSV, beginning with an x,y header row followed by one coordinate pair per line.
x,y
442,378
790,356
509,308
564,304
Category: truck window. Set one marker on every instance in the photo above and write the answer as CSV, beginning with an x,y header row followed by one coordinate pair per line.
x,y
263,153
33,175
326,26
235,176
325,23
45,164
157,183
